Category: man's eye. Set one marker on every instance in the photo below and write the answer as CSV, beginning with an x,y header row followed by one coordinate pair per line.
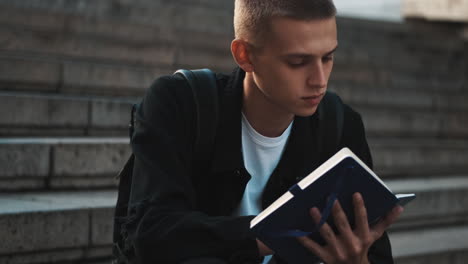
x,y
327,58
296,63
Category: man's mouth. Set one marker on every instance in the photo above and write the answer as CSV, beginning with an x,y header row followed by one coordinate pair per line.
x,y
313,99
313,96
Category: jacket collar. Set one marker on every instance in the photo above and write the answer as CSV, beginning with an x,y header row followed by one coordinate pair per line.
x,y
227,155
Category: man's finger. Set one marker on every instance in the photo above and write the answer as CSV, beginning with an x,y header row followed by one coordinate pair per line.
x,y
360,215
325,230
313,247
385,222
341,222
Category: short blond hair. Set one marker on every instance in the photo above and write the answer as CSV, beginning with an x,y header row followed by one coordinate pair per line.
x,y
251,17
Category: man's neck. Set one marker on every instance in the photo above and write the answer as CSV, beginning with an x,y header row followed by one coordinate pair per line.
x,y
264,116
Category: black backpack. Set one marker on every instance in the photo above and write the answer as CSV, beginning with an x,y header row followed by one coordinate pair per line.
x,y
204,88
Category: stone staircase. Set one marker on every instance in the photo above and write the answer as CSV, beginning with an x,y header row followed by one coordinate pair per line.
x,y
411,88
70,71
57,114
56,227
61,163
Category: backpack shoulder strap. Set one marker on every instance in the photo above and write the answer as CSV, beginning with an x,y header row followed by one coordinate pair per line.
x,y
205,92
330,130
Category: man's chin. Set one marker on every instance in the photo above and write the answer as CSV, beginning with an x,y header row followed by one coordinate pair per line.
x,y
307,112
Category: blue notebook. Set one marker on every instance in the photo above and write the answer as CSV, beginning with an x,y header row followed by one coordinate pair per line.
x,y
338,178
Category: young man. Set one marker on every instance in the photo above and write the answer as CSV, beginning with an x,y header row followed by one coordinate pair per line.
x,y
266,139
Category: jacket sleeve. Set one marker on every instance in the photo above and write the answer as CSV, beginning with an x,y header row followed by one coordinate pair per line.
x,y
164,225
354,137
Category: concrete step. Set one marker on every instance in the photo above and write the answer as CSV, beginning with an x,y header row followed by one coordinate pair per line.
x,y
114,40
67,115
446,245
61,163
55,115
161,28
404,98
440,201
57,163
363,30
73,226
49,74
55,49
407,157
42,71
61,45
94,51
413,123
357,74
39,71
56,227
401,46
205,15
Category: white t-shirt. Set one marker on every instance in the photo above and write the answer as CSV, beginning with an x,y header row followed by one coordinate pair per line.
x,y
261,155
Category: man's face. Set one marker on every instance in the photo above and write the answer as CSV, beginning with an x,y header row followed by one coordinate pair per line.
x,y
293,66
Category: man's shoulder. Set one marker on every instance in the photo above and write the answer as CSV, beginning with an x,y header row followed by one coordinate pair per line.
x,y
167,84
350,112
352,117
336,107
176,85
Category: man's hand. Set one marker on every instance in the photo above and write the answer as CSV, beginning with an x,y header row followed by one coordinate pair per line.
x,y
263,250
348,246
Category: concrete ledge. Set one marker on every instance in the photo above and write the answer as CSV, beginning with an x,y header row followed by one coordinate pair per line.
x,y
55,227
385,113
453,257
41,75
24,159
405,122
92,255
67,226
380,73
119,29
61,163
157,53
42,110
45,73
204,16
112,79
405,98
75,46
94,162
429,242
440,201
42,72
408,158
61,114
60,132
26,39
434,227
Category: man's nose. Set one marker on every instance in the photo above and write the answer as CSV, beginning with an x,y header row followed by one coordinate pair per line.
x,y
316,77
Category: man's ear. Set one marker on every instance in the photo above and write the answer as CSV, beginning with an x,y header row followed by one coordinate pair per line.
x,y
241,51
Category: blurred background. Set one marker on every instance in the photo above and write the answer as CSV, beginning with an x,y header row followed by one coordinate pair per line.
x,y
70,70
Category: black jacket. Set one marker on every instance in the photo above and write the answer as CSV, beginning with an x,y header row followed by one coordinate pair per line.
x,y
181,211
